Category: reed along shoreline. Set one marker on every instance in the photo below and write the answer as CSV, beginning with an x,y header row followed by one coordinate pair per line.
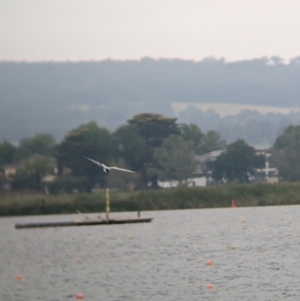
x,y
245,195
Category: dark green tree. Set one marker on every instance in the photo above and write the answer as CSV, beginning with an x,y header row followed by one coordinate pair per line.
x,y
191,132
7,153
154,128
42,144
211,141
131,146
175,160
237,163
137,140
286,153
87,140
133,149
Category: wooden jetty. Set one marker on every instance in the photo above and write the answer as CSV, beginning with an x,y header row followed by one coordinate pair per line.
x,y
88,221
85,222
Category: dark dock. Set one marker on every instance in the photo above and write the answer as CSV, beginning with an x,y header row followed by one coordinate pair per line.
x,y
86,222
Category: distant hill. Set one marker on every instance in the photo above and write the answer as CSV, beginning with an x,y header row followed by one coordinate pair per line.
x,y
56,97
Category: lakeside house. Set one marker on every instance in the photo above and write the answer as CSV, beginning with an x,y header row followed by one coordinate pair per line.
x,y
203,174
201,177
10,171
6,177
268,174
5,182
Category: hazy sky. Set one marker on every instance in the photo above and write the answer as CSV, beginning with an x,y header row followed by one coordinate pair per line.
x,y
38,30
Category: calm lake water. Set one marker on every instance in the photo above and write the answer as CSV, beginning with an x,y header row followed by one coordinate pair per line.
x,y
162,260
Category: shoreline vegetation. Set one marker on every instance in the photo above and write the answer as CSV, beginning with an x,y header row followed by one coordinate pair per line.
x,y
248,195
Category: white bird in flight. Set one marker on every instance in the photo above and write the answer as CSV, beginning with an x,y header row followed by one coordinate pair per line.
x,y
106,169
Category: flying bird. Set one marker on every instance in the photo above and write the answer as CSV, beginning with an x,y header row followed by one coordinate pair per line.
x,y
107,169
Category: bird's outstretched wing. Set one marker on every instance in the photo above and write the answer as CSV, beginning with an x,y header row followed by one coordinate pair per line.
x,y
94,161
122,169
106,167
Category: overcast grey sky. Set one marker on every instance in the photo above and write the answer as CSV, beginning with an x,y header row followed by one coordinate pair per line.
x,y
59,30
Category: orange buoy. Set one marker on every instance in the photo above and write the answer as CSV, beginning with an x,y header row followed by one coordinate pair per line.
x,y
79,296
209,262
19,277
210,286
232,247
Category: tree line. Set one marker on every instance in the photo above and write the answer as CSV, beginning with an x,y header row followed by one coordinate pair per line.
x,y
155,146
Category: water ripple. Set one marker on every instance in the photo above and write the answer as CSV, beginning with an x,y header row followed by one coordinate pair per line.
x,y
163,260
